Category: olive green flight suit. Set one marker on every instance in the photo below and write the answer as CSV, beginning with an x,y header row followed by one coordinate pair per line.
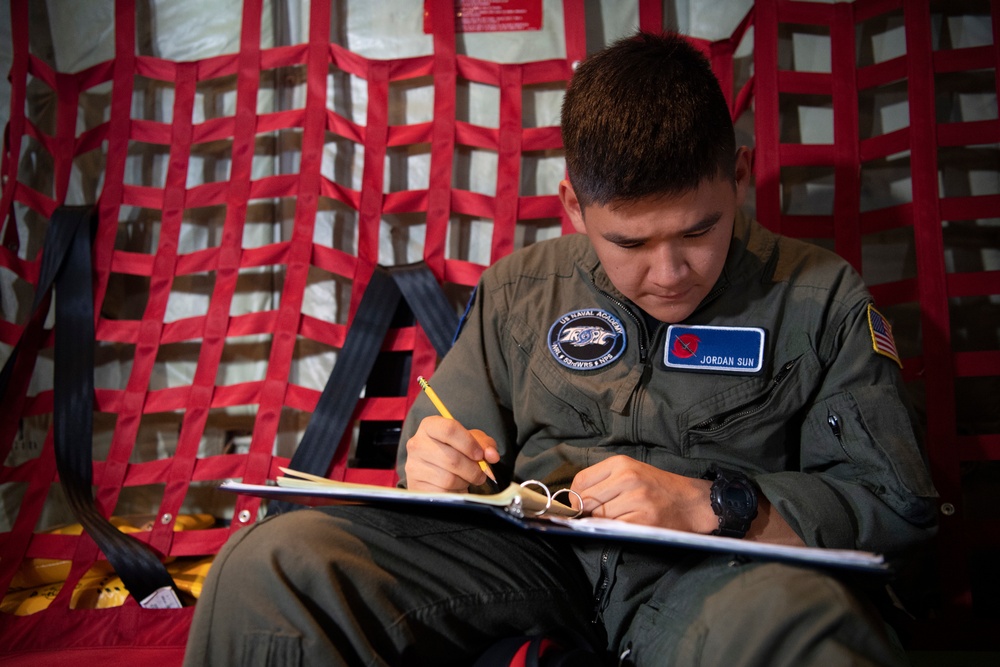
x,y
822,429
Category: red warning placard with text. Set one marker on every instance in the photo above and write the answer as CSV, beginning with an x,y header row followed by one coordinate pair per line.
x,y
493,15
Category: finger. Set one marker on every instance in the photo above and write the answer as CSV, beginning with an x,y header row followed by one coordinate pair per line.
x,y
593,475
489,446
435,457
425,476
474,445
442,474
451,433
598,495
603,481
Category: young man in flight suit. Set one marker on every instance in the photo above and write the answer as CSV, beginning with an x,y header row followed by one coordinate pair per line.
x,y
672,355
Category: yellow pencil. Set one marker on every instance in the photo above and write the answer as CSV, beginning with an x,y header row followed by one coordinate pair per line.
x,y
431,394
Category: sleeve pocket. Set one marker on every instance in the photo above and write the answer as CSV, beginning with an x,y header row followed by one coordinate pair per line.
x,y
881,438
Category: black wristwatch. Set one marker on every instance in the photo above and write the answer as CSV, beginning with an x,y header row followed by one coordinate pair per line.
x,y
734,501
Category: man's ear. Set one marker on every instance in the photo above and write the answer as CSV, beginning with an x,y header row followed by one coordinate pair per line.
x,y
572,205
744,169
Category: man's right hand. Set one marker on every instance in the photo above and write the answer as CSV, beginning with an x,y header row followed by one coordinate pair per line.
x,y
444,456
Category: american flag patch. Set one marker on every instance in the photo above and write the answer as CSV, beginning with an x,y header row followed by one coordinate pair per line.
x,y
881,330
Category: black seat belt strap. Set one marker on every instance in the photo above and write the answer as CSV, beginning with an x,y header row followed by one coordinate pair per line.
x,y
336,404
66,266
428,303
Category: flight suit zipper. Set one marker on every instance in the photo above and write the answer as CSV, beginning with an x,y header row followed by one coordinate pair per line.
x,y
640,325
833,419
603,584
719,421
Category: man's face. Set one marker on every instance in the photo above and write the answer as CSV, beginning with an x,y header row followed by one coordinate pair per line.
x,y
665,254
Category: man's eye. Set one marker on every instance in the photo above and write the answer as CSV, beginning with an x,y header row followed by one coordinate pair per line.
x,y
698,234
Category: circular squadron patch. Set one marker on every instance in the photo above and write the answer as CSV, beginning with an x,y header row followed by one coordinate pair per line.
x,y
588,339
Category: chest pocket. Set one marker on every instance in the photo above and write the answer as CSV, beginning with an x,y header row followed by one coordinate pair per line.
x,y
547,403
756,431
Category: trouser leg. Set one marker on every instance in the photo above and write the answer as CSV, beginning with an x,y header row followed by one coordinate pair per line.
x,y
758,614
360,585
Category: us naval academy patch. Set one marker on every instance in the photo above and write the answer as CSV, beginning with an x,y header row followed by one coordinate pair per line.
x,y
718,349
587,339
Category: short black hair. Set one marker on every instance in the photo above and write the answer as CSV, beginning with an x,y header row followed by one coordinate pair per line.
x,y
645,117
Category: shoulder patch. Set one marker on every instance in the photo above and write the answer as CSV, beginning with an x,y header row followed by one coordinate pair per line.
x,y
881,331
587,339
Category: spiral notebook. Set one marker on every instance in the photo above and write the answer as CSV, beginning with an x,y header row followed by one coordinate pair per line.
x,y
532,507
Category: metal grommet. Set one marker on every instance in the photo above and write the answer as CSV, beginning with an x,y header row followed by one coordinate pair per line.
x,y
166,518
947,509
244,516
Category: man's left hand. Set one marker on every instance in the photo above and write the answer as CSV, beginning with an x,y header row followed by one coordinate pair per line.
x,y
622,488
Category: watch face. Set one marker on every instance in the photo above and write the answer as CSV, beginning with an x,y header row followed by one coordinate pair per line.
x,y
734,500
738,499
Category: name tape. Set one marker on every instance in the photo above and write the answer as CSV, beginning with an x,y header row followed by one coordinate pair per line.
x,y
717,349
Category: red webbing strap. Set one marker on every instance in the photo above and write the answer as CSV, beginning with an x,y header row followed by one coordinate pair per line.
x,y
575,27
109,206
741,101
376,134
931,285
438,203
766,120
846,158
180,474
64,143
289,316
651,15
508,162
110,477
439,194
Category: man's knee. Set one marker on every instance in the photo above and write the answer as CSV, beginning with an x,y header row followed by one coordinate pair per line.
x,y
277,547
764,614
796,616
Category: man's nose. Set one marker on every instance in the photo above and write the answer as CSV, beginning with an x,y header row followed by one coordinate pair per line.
x,y
669,267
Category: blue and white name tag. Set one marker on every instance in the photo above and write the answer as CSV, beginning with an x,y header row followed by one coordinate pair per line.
x,y
717,349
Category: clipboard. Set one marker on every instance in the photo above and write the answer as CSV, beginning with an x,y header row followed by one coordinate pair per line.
x,y
529,499
531,506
